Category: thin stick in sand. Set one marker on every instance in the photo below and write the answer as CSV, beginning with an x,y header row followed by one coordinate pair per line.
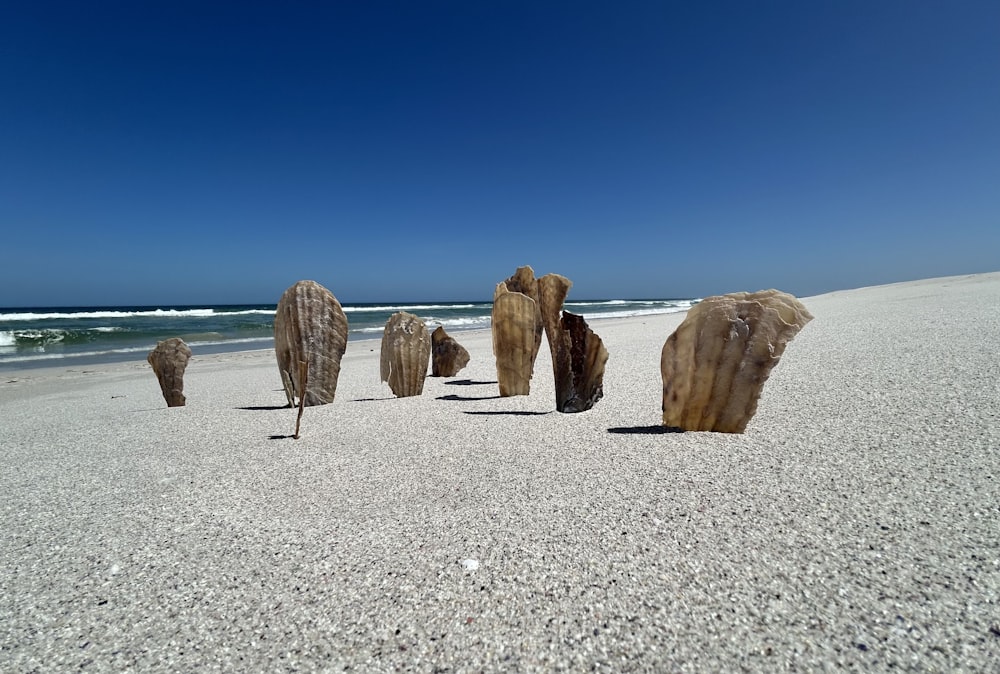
x,y
304,378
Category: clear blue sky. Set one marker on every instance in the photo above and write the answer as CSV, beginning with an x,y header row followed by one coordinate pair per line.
x,y
197,152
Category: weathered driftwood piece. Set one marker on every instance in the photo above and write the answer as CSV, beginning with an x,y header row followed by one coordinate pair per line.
x,y
578,354
447,355
309,326
514,342
304,378
715,364
406,349
169,360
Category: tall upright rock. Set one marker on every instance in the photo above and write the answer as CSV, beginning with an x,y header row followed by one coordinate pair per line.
x,y
514,325
716,362
406,350
578,354
169,360
517,331
309,327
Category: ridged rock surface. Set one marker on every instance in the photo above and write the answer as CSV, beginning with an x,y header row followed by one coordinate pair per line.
x,y
578,354
310,326
715,364
523,281
169,360
447,355
406,350
514,343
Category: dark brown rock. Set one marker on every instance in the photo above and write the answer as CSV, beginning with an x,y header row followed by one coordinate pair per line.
x,y
578,354
169,360
447,355
715,364
406,350
309,326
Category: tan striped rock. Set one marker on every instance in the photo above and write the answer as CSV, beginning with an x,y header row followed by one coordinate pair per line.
x,y
309,327
715,364
406,350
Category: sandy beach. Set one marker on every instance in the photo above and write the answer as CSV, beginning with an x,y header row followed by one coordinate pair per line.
x,y
855,524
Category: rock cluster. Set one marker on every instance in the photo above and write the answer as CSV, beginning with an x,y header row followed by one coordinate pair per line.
x,y
524,307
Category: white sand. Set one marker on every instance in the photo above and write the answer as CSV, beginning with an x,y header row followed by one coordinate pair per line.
x,y
855,523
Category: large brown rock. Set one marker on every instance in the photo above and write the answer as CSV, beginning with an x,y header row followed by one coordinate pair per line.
x,y
578,354
447,355
715,364
310,326
169,360
514,326
406,350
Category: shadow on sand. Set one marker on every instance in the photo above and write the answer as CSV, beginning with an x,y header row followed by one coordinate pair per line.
x,y
645,430
466,398
516,413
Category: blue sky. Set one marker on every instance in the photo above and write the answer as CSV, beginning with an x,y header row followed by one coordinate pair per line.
x,y
191,152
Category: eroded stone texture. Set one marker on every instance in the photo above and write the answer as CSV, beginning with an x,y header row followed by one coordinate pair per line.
x,y
523,281
169,360
578,354
447,355
406,349
310,326
587,360
715,364
514,341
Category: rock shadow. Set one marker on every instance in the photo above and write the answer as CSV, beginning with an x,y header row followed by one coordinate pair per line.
x,y
516,413
265,408
467,398
468,382
658,429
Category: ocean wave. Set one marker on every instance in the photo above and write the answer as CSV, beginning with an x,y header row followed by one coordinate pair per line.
x,y
411,307
122,351
112,314
635,312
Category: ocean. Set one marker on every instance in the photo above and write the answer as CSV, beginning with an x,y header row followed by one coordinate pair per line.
x,y
48,336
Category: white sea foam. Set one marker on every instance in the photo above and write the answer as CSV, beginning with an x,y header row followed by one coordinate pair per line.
x,y
634,312
111,314
411,307
7,339
41,355
599,303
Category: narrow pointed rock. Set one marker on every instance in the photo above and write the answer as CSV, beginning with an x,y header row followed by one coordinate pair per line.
x,y
514,328
578,354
